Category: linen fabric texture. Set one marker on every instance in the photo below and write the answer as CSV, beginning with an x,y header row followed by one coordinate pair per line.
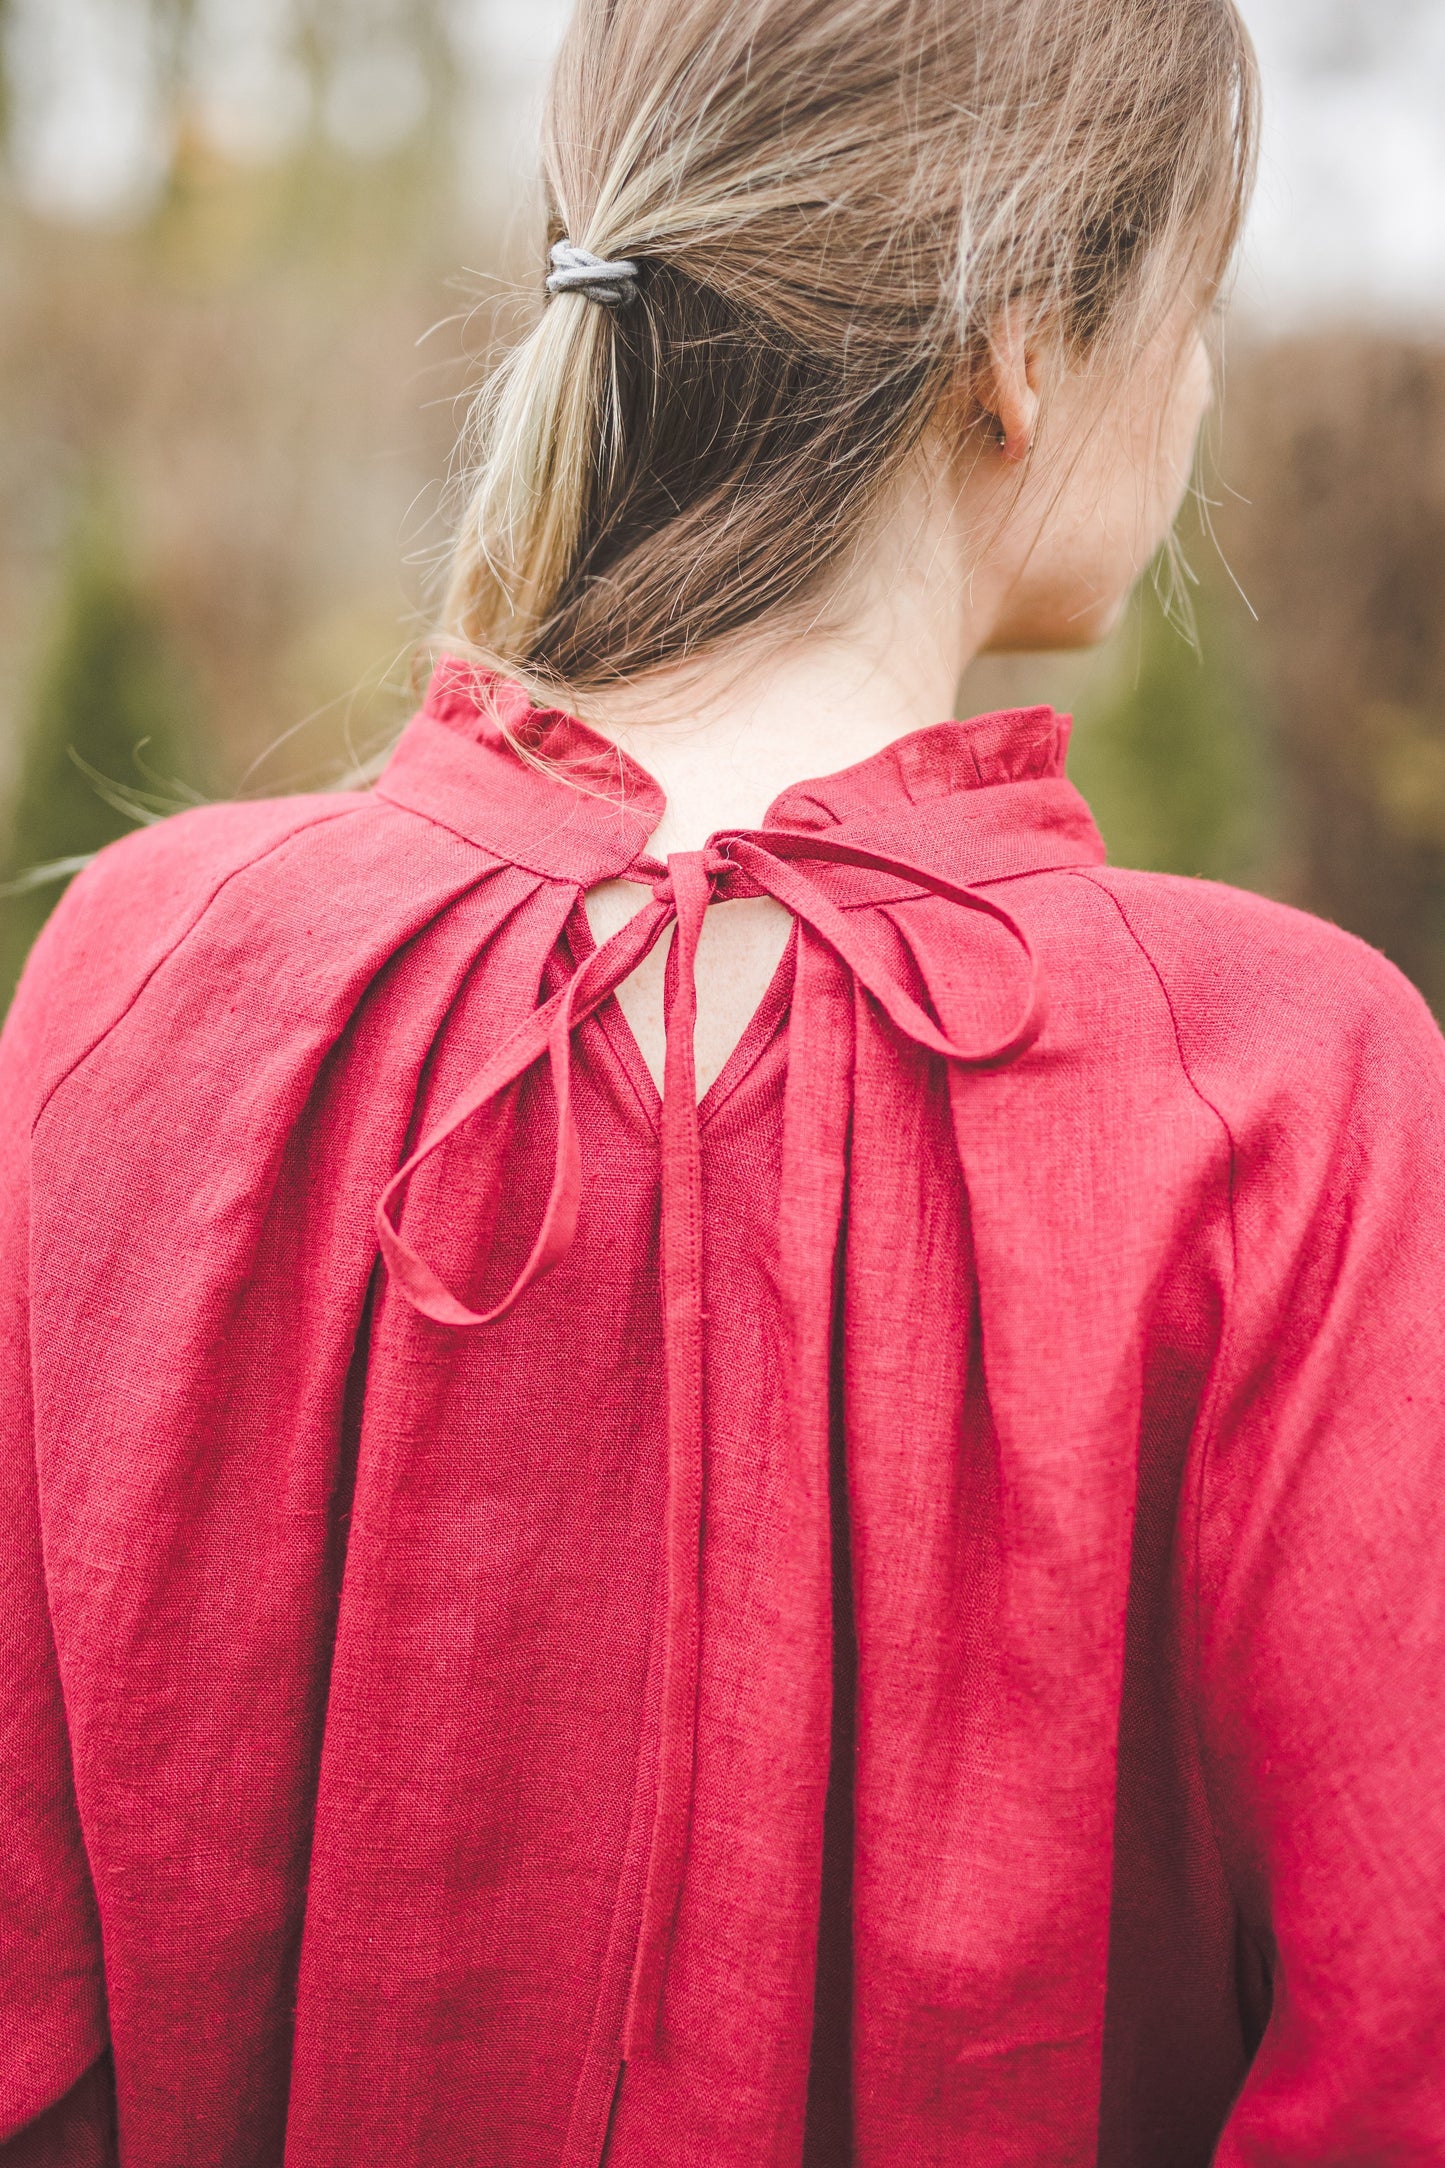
x,y
404,1725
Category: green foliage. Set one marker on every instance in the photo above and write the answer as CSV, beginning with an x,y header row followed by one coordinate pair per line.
x,y
1173,755
98,753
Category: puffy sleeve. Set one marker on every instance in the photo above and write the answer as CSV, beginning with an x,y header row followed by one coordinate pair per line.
x,y
55,2107
1320,1601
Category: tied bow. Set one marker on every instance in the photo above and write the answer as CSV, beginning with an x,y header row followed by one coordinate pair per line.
x,y
733,865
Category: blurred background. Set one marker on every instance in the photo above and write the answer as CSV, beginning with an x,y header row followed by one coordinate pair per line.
x,y
254,253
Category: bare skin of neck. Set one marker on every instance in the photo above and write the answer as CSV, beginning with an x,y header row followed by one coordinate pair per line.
x,y
1030,537
725,739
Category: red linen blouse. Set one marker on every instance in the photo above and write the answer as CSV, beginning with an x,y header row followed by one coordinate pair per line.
x,y
417,1629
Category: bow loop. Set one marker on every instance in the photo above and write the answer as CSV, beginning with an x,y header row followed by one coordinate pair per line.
x,y
768,857
546,1032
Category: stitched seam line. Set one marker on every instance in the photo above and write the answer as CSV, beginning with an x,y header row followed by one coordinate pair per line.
x,y
330,814
1210,1411
509,857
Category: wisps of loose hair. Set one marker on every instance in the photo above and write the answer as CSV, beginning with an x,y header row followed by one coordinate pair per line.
x,y
836,205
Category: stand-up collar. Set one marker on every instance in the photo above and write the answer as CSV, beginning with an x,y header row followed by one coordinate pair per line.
x,y
977,800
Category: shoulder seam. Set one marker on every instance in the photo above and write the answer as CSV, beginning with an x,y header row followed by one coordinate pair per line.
x,y
489,851
1086,873
449,828
327,813
1210,1408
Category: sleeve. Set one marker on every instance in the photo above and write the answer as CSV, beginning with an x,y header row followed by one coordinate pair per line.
x,y
54,2081
1321,1597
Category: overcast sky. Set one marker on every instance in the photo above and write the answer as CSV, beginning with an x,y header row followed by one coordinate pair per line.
x,y
1351,211
1352,199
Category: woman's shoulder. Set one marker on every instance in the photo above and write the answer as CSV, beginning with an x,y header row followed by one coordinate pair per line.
x,y
135,904
1267,999
224,910
144,892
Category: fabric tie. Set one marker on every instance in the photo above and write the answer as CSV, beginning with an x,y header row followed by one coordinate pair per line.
x,y
734,864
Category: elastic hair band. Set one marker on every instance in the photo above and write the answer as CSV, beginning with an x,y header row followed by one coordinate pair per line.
x,y
578,271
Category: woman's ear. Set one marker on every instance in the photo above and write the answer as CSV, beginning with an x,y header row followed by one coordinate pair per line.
x,y
1009,391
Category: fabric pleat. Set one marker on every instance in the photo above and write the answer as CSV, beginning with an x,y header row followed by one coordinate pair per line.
x,y
831,955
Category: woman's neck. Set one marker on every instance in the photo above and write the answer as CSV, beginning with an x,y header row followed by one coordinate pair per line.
x,y
724,738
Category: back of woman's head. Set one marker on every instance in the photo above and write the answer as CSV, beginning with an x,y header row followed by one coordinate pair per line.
x,y
833,207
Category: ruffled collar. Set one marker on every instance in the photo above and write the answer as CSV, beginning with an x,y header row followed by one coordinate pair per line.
x,y
976,800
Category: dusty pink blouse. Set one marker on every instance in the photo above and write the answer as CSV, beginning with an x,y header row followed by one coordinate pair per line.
x,y
463,1507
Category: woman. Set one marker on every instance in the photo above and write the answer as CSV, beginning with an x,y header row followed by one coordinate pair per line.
x,y
888,1615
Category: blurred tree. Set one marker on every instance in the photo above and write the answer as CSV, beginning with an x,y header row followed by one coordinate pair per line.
x,y
172,25
1341,544
329,31
100,741
1173,755
378,69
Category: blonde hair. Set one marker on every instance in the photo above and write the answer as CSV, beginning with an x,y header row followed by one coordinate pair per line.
x,y
834,205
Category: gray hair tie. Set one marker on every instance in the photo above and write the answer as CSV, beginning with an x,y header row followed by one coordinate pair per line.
x,y
578,271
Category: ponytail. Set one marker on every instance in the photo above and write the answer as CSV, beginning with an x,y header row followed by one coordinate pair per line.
x,y
829,206
543,423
